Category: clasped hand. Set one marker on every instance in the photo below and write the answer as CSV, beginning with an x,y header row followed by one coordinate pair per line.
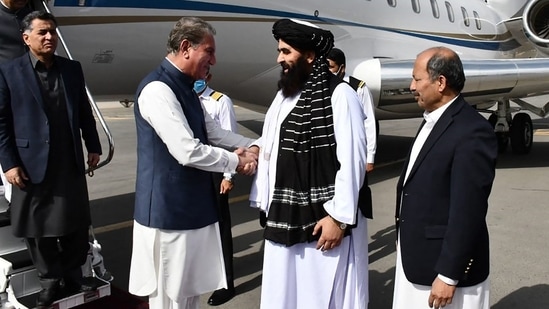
x,y
247,160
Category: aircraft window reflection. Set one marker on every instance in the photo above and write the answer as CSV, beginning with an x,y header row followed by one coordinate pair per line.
x,y
434,7
450,10
415,6
477,20
392,3
466,20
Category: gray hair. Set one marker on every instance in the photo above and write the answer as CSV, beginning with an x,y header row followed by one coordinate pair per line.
x,y
447,63
192,29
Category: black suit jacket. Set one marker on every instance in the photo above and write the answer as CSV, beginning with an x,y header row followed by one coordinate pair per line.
x,y
24,126
441,209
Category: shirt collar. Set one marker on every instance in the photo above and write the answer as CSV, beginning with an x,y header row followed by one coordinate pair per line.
x,y
4,5
434,116
207,92
35,61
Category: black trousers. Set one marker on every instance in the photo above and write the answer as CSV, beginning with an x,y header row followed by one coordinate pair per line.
x,y
225,231
59,257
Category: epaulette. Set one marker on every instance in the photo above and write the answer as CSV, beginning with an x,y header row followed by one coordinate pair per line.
x,y
361,84
216,95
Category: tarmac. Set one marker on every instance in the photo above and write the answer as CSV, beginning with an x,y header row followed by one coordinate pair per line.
x,y
518,216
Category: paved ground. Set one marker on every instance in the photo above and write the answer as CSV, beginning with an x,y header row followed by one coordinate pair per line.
x,y
518,216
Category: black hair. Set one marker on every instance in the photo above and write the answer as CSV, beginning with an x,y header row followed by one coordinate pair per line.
x,y
337,56
26,24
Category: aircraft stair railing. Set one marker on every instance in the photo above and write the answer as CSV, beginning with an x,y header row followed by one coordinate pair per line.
x,y
92,102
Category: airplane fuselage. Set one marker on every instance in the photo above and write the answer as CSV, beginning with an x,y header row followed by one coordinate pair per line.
x,y
119,41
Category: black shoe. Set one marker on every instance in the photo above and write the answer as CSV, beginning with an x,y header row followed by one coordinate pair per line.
x,y
85,284
221,296
46,297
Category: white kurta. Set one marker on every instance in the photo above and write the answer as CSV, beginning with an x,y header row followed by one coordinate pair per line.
x,y
174,267
301,276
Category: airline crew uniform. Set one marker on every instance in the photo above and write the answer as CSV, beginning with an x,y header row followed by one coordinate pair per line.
x,y
370,121
220,107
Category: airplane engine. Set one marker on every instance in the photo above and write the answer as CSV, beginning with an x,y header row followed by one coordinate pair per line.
x,y
488,81
535,20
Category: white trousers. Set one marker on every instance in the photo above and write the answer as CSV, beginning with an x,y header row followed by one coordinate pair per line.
x,y
414,296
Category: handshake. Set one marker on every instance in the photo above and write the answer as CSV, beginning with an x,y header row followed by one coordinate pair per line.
x,y
247,160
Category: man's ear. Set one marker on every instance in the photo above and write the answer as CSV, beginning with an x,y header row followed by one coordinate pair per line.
x,y
310,56
442,83
184,47
26,38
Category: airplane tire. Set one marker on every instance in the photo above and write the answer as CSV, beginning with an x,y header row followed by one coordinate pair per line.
x,y
521,133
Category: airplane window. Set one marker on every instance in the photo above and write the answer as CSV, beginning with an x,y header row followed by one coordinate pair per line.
x,y
466,20
415,6
434,7
392,3
477,20
450,10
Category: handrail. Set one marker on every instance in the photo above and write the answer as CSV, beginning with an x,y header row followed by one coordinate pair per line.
x,y
92,102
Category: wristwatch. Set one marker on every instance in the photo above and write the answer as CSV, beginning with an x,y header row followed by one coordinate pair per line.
x,y
341,225
229,179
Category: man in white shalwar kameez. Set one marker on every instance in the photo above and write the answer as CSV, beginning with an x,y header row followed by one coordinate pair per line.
x,y
310,170
177,251
442,194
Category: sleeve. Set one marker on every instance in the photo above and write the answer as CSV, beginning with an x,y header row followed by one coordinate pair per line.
x,y
472,174
351,154
87,121
159,106
8,152
369,122
227,117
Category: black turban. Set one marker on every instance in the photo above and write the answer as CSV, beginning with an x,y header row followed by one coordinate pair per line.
x,y
304,37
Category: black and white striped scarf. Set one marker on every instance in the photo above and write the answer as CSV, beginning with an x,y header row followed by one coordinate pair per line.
x,y
307,162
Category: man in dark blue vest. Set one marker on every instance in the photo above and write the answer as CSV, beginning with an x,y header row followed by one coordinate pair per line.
x,y
176,245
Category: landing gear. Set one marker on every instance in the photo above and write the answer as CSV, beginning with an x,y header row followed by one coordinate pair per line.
x,y
502,132
521,134
519,131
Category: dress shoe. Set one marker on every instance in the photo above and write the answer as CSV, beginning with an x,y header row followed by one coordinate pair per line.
x,y
221,296
46,297
85,284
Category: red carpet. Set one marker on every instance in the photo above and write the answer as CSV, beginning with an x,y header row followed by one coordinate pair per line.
x,y
118,299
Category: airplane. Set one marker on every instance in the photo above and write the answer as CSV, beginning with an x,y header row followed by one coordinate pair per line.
x,y
502,43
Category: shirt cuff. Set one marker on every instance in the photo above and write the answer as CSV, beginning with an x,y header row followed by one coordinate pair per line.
x,y
233,163
447,280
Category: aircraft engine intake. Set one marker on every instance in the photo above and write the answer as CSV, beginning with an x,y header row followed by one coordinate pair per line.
x,y
535,21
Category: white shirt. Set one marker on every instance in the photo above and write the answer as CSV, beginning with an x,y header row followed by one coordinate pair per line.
x,y
365,97
221,111
159,106
430,121
350,151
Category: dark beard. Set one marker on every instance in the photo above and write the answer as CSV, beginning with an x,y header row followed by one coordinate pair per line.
x,y
293,82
